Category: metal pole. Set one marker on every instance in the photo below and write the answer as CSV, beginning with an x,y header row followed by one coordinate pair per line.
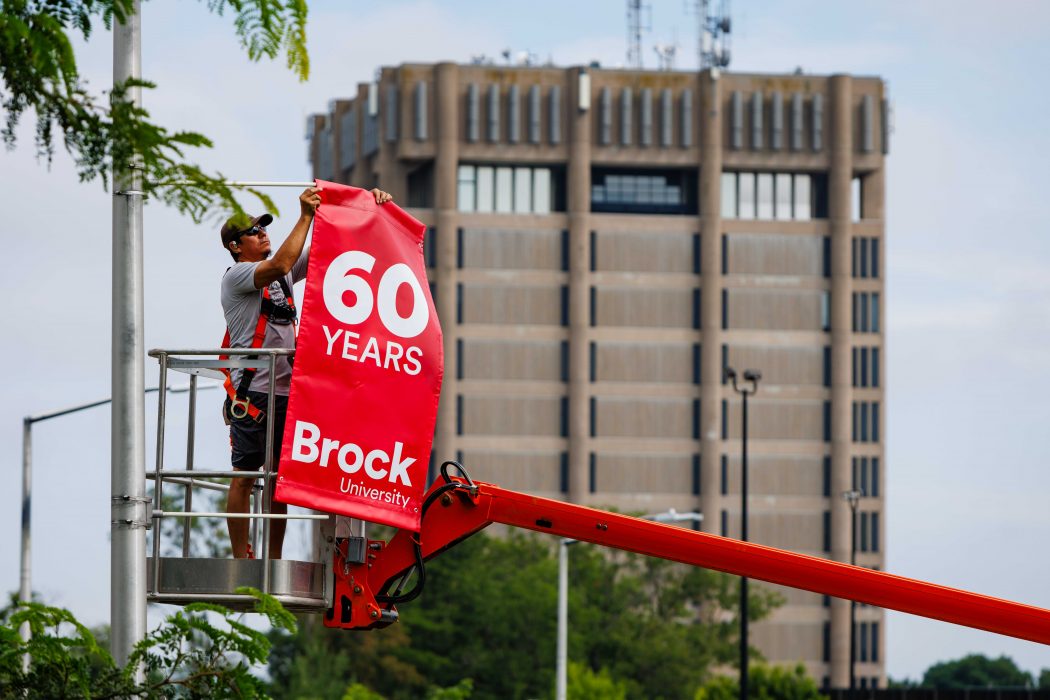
x,y
158,483
561,665
190,431
26,574
752,376
128,431
25,588
268,466
743,579
853,603
239,183
561,672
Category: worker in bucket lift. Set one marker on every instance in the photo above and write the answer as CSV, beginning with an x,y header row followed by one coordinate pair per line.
x,y
260,313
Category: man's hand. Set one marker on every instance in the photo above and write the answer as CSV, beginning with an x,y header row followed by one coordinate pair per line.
x,y
381,196
310,199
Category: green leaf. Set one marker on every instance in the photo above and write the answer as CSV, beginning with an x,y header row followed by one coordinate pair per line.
x,y
103,135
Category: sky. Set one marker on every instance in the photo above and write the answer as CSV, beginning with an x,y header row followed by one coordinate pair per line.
x,y
968,294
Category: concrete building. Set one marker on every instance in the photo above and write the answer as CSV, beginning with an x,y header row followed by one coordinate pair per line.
x,y
602,243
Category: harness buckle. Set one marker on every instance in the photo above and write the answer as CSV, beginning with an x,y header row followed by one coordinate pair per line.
x,y
239,407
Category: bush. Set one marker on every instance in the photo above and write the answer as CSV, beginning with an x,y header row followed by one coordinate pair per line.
x,y
191,654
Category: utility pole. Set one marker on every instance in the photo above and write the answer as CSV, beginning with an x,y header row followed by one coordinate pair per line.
x,y
127,607
561,682
852,497
753,377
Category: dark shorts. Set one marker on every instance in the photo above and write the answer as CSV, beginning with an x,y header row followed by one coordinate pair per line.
x,y
248,437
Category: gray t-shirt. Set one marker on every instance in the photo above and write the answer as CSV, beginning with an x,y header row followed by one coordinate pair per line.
x,y
242,304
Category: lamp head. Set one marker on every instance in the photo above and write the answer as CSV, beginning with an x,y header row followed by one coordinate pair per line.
x,y
752,375
729,373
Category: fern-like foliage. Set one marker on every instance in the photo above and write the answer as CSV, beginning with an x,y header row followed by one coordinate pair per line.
x,y
106,134
268,27
201,651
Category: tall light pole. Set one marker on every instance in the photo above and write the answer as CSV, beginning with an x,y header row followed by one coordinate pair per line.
x,y
561,665
25,588
853,498
562,662
750,376
128,519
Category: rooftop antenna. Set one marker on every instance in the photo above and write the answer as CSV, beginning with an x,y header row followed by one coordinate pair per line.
x,y
636,24
714,26
665,54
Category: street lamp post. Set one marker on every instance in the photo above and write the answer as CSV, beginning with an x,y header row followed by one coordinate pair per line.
x,y
753,377
561,670
852,497
25,589
562,662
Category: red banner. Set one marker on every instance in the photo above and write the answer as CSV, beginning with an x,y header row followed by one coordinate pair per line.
x,y
368,366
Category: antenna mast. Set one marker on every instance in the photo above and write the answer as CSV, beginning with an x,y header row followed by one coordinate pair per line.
x,y
635,26
714,26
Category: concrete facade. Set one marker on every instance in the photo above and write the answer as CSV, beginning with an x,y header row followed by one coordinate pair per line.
x,y
602,243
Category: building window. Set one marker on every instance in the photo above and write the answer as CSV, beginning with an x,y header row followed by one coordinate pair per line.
x,y
485,189
769,196
421,187
827,531
541,191
865,367
866,476
865,312
868,531
856,199
729,196
865,257
802,199
874,649
725,475
623,191
784,201
466,188
523,191
865,421
745,204
764,204
504,190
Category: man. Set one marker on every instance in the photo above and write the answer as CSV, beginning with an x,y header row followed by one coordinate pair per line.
x,y
260,312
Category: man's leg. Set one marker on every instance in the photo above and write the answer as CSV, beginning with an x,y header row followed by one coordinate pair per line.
x,y
277,528
237,502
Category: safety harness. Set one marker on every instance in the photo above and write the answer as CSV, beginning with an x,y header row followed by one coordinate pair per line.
x,y
239,404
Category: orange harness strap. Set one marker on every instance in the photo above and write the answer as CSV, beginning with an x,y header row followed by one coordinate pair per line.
x,y
240,405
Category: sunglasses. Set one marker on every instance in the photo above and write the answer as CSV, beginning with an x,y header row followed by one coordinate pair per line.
x,y
253,231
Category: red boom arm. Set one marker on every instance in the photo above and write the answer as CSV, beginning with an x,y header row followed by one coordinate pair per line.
x,y
458,509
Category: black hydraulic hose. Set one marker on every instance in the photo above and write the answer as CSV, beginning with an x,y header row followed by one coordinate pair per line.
x,y
397,597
